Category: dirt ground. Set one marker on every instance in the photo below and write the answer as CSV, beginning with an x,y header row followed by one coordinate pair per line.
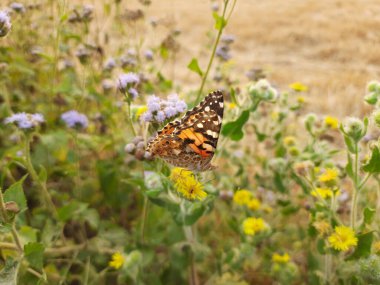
x,y
332,46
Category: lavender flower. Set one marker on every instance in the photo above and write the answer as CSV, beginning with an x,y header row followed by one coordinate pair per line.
x,y
17,7
75,119
25,120
5,23
107,84
127,79
109,64
223,52
159,110
133,92
228,39
148,54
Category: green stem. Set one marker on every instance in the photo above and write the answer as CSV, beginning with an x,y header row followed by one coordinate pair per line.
x,y
355,189
129,117
16,237
220,31
43,192
144,216
3,211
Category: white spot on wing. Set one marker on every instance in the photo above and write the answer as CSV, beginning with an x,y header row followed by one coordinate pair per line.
x,y
200,125
207,109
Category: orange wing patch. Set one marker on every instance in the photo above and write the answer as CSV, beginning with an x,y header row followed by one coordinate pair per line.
x,y
197,141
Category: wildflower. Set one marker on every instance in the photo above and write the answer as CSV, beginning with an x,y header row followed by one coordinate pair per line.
x,y
322,227
254,204
141,110
5,23
231,105
160,116
263,90
298,87
148,54
280,258
228,39
223,52
87,11
126,80
289,141
376,247
251,226
83,54
130,148
371,98
331,122
178,173
109,64
17,7
133,92
117,261
330,175
186,184
343,238
75,119
294,151
301,99
107,85
242,197
354,128
322,192
303,167
373,86
25,120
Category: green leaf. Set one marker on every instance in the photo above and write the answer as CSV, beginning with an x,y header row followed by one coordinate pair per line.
x,y
71,210
363,248
153,193
368,214
233,96
349,166
194,66
34,252
234,129
373,165
321,246
350,144
16,193
194,213
42,176
220,22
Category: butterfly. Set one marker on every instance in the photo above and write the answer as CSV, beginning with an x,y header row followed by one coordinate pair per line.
x,y
191,141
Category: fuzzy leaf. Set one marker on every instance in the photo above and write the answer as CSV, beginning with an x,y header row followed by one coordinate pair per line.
x,y
363,248
194,66
220,22
368,214
234,129
16,193
373,165
34,252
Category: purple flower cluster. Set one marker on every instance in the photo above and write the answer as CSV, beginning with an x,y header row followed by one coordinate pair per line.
x,y
5,23
159,110
25,120
127,83
223,50
75,119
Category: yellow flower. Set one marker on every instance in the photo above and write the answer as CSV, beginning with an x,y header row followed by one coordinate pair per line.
x,y
251,226
376,247
117,261
242,197
298,86
322,192
178,173
343,238
284,258
322,227
254,204
141,110
275,116
331,122
231,105
289,140
329,175
186,184
301,99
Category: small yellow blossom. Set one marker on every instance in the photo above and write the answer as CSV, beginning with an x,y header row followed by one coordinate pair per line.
x,y
331,122
280,258
376,247
317,170
289,140
186,184
329,175
268,209
141,110
298,86
232,105
254,204
322,192
117,260
322,227
343,238
242,197
301,99
251,226
275,116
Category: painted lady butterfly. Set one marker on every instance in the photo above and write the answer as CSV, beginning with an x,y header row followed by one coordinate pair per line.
x,y
191,142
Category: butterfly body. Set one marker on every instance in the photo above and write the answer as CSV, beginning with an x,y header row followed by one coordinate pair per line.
x,y
191,142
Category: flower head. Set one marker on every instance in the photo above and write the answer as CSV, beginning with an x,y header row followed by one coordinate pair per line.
x,y
343,238
330,175
322,227
280,258
298,87
251,226
5,23
25,120
109,64
331,122
254,204
17,7
75,119
354,128
323,193
289,141
186,184
126,80
148,54
242,197
117,260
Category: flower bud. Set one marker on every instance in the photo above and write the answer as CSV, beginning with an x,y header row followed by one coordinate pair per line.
x,y
130,148
376,117
371,98
354,128
373,86
12,207
5,23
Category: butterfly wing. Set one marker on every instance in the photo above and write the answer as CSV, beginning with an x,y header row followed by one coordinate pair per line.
x,y
191,142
